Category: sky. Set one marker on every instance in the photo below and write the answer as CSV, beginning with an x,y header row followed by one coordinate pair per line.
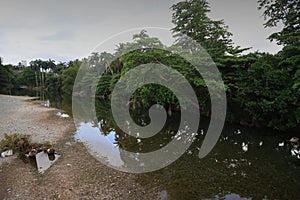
x,y
65,30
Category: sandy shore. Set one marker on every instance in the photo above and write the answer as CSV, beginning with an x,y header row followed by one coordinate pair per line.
x,y
76,175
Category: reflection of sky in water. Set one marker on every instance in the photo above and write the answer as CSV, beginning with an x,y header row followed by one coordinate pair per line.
x,y
100,146
229,166
266,170
111,136
232,196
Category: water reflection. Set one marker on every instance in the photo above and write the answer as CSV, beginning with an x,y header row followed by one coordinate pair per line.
x,y
125,152
50,99
266,170
100,145
246,163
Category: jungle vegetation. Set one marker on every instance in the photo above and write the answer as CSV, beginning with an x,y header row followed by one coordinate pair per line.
x,y
262,89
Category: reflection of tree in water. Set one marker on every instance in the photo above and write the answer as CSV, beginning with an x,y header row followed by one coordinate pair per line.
x,y
140,117
226,171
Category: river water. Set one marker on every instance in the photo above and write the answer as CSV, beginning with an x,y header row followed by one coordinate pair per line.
x,y
263,170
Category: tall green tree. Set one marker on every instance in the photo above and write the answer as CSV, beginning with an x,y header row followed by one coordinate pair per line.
x,y
6,77
286,12
191,18
26,76
69,76
34,65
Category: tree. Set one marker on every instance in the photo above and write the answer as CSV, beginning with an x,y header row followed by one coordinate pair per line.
x,y
190,18
34,65
286,12
58,69
26,76
69,76
6,77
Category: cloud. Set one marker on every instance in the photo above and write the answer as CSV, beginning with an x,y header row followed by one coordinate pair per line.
x,y
245,21
58,36
72,29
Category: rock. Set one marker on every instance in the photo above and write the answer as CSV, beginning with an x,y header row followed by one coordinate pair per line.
x,y
295,153
294,140
113,184
62,115
7,153
32,153
244,147
50,151
163,195
281,144
68,143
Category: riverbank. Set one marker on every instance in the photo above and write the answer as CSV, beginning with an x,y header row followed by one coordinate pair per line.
x,y
76,174
27,116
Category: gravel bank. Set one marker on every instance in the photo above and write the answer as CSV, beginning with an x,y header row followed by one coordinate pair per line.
x,y
76,174
22,115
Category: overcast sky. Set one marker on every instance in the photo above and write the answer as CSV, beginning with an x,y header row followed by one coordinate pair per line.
x,y
66,30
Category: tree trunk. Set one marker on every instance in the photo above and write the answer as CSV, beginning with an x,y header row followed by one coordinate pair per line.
x,y
43,80
40,78
170,110
36,80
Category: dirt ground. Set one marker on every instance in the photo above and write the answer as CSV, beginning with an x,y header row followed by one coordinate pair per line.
x,y
75,175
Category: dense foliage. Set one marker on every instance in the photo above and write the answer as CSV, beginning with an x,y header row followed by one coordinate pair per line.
x,y
6,77
262,89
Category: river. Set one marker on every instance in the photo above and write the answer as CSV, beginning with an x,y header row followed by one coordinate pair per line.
x,y
263,170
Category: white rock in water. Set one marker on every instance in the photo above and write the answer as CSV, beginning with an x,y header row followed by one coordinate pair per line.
x,y
260,143
281,144
295,152
238,132
202,132
244,147
7,153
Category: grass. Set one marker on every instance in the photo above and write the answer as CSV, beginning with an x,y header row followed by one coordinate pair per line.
x,y
21,143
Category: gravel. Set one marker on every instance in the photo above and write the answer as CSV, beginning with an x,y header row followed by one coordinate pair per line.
x,y
75,175
22,115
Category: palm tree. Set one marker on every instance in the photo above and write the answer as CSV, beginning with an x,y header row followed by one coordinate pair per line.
x,y
106,59
35,67
118,54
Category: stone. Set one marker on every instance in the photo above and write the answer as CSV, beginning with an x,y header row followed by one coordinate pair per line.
x,y
50,151
7,153
294,140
